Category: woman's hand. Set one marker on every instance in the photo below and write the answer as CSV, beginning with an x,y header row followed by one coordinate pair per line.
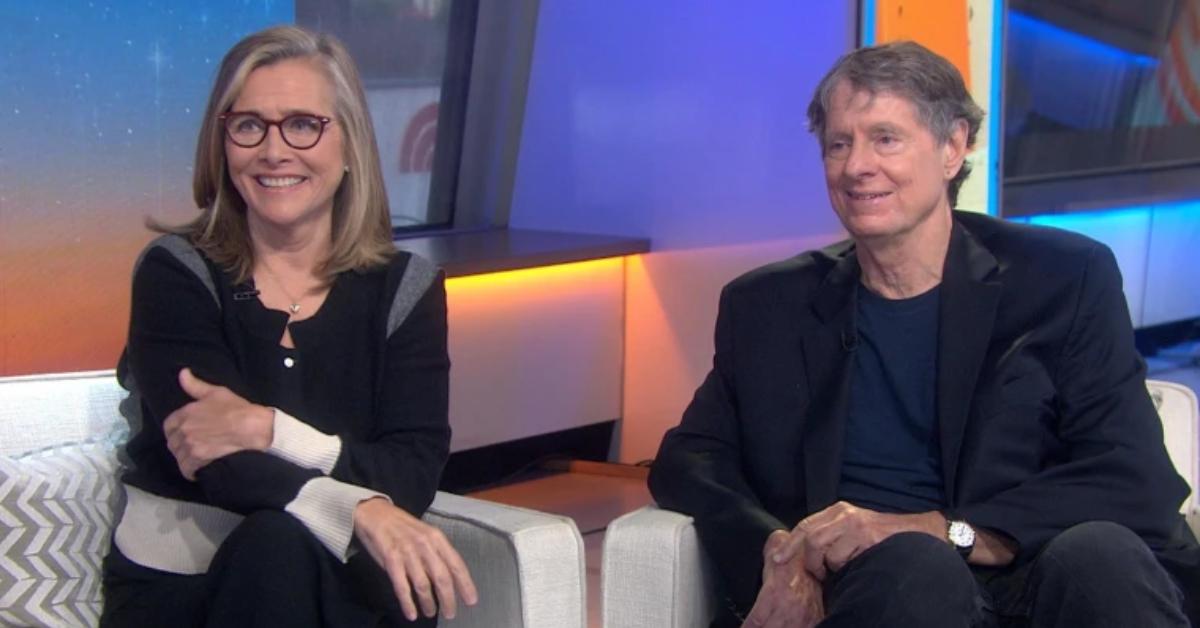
x,y
216,424
416,556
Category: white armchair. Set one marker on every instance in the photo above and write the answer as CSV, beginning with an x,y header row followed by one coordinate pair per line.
x,y
656,575
1180,413
60,438
527,565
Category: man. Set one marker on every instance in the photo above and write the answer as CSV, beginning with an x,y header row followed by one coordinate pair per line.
x,y
940,422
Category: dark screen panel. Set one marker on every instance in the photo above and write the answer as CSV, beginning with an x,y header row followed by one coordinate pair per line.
x,y
1101,104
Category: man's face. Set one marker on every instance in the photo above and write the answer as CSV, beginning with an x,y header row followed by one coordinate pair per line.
x,y
886,172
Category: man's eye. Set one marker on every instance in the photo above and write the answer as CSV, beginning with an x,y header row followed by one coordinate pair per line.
x,y
890,142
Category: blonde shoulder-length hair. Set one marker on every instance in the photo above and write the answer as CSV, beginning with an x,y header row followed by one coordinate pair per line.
x,y
361,231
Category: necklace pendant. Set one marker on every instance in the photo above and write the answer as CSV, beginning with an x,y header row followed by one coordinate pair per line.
x,y
295,308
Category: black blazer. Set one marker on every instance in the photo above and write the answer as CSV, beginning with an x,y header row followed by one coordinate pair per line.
x,y
1043,414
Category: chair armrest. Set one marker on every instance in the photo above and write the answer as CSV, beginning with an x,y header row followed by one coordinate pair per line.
x,y
655,573
527,565
1180,413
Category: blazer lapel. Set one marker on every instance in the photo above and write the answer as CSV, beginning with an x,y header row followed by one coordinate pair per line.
x,y
969,298
827,349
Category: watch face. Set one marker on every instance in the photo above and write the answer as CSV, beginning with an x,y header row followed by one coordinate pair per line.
x,y
961,534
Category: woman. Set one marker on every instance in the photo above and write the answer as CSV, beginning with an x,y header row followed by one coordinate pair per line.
x,y
289,367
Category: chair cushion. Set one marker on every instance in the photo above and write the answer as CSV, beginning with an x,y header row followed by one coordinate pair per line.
x,y
46,411
56,514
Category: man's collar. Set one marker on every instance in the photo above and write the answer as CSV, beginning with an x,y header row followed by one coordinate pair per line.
x,y
839,284
967,258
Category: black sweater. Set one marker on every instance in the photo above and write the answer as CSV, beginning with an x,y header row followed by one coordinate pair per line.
x,y
371,367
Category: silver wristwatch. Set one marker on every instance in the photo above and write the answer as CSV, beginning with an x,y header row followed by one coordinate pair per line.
x,y
962,536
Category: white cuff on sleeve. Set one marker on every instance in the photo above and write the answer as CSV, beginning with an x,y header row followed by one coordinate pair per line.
x,y
302,444
326,507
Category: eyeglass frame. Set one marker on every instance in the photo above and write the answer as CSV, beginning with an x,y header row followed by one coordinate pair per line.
x,y
224,118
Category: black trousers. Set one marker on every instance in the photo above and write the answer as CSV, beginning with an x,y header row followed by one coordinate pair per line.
x,y
1095,574
270,572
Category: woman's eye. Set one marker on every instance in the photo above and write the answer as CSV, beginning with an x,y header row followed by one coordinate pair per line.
x,y
248,125
304,124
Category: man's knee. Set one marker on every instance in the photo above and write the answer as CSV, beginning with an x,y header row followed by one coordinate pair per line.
x,y
1102,573
907,579
1096,549
916,555
911,544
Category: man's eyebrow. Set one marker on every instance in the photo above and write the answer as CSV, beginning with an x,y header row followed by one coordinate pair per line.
x,y
885,127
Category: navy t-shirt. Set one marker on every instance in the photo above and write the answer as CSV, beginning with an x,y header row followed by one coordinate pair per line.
x,y
891,459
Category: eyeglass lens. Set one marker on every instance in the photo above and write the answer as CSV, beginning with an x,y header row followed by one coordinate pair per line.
x,y
299,130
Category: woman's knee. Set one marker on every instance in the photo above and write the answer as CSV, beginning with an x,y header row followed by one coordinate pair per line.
x,y
267,572
269,540
266,526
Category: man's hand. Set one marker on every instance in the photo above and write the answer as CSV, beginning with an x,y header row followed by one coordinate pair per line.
x,y
790,597
417,558
216,424
829,539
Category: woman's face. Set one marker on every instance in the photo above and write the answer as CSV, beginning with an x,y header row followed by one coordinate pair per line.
x,y
286,188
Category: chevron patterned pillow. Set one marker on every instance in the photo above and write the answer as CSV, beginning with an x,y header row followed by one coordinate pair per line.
x,y
56,514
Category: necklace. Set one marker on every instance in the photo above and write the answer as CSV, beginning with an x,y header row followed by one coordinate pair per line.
x,y
295,303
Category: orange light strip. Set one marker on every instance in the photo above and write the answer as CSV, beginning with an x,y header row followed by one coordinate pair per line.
x,y
540,274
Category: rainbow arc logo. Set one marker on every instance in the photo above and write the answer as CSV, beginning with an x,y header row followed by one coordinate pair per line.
x,y
420,140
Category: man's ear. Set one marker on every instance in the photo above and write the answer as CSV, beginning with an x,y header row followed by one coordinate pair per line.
x,y
954,150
